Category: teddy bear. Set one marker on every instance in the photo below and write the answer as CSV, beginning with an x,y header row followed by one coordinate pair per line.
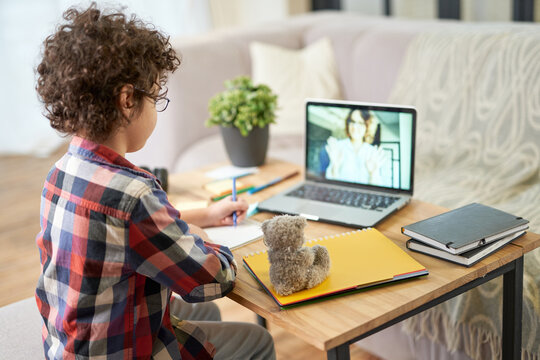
x,y
293,267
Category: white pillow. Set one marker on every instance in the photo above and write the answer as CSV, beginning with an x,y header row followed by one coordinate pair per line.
x,y
295,75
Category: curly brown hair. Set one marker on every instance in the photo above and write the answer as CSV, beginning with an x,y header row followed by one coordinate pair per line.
x,y
88,60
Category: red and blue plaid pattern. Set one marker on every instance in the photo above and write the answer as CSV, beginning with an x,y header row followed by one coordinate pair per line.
x,y
112,248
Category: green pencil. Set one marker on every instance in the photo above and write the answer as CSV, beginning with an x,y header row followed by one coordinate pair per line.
x,y
229,194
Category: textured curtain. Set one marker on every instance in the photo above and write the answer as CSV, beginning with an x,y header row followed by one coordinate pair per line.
x,y
476,92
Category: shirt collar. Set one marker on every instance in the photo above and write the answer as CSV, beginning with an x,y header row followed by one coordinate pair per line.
x,y
91,150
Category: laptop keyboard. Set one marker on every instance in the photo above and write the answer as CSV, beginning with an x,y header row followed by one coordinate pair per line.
x,y
343,197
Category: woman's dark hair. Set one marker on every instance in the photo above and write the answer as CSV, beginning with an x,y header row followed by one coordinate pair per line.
x,y
374,139
365,115
87,62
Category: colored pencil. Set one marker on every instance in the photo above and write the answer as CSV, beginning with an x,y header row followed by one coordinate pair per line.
x,y
272,182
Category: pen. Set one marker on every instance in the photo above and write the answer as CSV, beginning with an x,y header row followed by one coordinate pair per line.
x,y
234,198
272,182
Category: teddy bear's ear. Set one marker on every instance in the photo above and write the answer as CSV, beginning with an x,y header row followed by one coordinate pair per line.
x,y
265,225
300,221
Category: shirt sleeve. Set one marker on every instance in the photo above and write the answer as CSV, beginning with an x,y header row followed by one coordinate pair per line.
x,y
161,248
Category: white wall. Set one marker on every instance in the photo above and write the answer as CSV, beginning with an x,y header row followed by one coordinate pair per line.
x,y
367,7
418,9
400,8
234,13
486,10
24,24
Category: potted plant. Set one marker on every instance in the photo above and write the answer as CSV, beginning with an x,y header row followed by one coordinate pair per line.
x,y
244,112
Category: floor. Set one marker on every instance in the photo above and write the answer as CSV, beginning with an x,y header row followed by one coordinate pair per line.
x,y
20,188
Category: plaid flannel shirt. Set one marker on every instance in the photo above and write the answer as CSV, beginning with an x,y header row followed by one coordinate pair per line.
x,y
112,248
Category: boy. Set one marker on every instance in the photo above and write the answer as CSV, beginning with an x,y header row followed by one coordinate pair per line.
x,y
111,245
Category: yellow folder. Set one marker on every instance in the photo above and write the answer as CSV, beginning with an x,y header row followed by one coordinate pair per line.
x,y
359,259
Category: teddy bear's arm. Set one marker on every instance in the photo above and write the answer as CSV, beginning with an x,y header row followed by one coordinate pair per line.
x,y
320,268
307,255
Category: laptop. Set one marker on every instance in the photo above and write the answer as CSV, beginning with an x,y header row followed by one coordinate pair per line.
x,y
359,162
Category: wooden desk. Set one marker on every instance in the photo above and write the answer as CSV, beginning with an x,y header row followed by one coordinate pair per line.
x,y
333,324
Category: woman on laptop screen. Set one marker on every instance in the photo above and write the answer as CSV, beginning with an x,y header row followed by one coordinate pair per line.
x,y
357,157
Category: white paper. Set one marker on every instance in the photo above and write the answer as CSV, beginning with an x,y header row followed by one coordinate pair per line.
x,y
235,236
229,171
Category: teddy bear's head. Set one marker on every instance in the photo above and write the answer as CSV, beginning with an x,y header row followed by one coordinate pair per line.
x,y
284,231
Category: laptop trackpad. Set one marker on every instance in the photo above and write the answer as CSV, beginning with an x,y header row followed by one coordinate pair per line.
x,y
324,211
340,214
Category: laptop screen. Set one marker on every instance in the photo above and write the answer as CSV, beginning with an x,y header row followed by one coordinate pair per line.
x,y
360,144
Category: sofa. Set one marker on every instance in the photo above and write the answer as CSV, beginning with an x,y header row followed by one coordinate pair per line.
x,y
476,87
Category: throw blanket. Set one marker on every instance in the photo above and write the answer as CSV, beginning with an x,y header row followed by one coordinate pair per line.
x,y
477,92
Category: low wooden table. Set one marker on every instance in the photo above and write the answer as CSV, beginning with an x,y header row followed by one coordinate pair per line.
x,y
331,325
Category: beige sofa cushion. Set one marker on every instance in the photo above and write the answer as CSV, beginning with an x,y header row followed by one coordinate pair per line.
x,y
295,75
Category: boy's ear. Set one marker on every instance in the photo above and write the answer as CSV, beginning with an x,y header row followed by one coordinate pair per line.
x,y
125,101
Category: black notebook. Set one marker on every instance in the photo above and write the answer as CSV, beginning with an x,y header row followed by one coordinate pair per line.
x,y
468,258
465,228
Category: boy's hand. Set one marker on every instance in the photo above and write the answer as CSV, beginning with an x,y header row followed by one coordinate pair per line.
x,y
220,213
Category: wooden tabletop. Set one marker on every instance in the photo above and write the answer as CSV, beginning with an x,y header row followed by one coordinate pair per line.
x,y
332,322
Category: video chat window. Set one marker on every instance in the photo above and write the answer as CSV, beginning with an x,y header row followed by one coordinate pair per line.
x,y
358,145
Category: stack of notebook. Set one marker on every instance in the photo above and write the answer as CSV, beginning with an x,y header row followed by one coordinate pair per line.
x,y
465,235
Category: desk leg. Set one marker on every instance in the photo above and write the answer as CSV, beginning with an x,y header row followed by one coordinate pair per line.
x,y
261,321
512,311
341,352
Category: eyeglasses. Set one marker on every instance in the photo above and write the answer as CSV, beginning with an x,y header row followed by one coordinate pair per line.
x,y
357,123
161,103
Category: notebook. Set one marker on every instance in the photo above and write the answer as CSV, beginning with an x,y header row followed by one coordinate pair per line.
x,y
235,236
359,161
223,188
359,259
467,258
465,228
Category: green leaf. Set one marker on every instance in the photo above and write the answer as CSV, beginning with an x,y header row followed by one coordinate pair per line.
x,y
242,105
